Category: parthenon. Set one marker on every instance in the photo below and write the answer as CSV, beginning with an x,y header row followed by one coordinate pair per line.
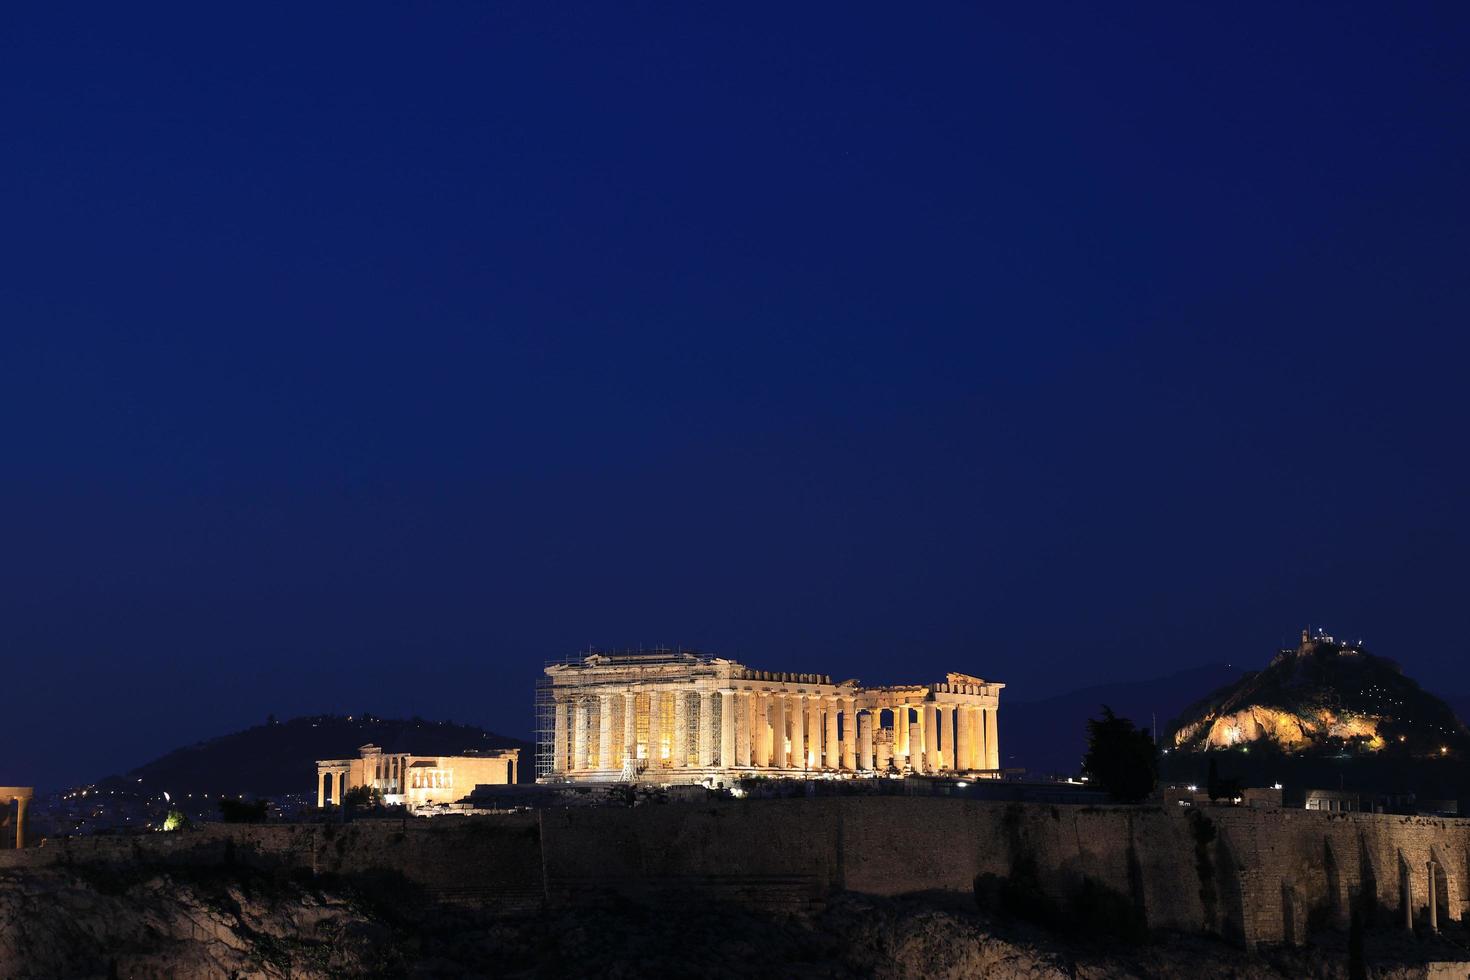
x,y
681,717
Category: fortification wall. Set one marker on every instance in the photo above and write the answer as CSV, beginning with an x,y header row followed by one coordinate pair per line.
x,y
772,852
1250,875
1298,868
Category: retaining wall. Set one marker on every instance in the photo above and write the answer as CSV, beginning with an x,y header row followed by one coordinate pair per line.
x,y
1247,874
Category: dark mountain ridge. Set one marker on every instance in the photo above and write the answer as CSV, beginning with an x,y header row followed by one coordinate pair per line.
x,y
278,758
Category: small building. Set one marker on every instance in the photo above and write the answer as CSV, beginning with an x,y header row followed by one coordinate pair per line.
x,y
1262,797
1334,800
414,780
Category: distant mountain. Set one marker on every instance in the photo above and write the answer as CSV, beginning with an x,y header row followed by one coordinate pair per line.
x,y
1050,735
280,757
1325,698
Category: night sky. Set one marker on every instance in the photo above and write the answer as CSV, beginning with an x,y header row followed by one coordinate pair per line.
x,y
361,358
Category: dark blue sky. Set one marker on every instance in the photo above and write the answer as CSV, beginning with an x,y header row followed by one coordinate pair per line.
x,y
362,358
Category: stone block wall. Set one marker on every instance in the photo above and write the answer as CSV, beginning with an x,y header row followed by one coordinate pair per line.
x,y
1252,875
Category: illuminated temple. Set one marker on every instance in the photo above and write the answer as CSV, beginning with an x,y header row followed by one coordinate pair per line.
x,y
415,780
680,717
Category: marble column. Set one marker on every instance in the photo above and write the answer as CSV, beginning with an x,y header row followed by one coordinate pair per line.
x,y
727,729
918,755
630,726
655,729
582,710
762,728
900,735
778,731
834,749
992,739
966,729
604,731
932,762
946,736
964,737
321,792
559,739
865,739
706,729
814,732
679,751
978,720
849,733
744,725
796,709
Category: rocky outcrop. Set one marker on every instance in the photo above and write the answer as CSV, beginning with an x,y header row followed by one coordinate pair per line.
x,y
62,923
235,923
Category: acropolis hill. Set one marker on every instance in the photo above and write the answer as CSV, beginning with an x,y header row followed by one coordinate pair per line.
x,y
1264,879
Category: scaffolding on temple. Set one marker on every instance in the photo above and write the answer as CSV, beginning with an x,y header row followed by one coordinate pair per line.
x,y
545,703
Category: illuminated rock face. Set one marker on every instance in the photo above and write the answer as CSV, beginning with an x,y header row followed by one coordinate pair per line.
x,y
1253,724
1288,729
681,717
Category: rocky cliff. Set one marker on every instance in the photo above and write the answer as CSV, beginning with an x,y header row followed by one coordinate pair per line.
x,y
197,923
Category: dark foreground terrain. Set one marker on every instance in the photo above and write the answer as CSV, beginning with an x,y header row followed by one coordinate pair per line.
x,y
235,922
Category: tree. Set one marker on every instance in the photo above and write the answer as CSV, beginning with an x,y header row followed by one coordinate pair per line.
x,y
363,796
1120,757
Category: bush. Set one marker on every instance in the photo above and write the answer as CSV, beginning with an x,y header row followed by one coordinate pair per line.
x,y
363,796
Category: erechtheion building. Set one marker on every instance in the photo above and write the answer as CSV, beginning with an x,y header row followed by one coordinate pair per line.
x,y
414,779
686,717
